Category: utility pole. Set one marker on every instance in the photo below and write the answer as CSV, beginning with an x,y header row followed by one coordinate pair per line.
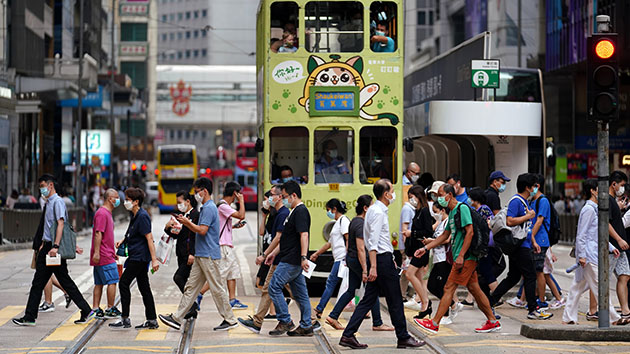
x,y
77,135
112,87
519,34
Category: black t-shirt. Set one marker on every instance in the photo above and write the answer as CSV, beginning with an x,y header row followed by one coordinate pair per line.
x,y
290,247
355,231
492,199
616,221
421,228
137,243
185,245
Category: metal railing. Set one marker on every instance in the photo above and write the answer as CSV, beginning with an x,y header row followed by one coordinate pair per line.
x,y
568,225
20,225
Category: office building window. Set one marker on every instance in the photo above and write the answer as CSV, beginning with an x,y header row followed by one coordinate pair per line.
x,y
180,16
171,36
133,32
180,35
187,34
179,55
164,37
204,13
204,33
196,14
187,54
172,57
196,53
171,17
164,19
204,52
422,18
188,15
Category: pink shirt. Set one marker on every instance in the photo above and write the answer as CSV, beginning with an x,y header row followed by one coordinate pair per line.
x,y
225,215
104,223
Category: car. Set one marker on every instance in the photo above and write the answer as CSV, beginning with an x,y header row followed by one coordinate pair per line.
x,y
152,192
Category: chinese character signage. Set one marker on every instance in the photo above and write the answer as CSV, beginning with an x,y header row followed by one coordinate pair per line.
x,y
334,101
181,94
134,49
134,8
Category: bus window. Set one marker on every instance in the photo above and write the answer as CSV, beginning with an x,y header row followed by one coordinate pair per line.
x,y
284,36
377,154
334,26
289,150
383,27
334,155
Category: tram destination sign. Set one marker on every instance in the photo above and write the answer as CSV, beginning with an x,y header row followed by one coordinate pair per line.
x,y
327,101
484,73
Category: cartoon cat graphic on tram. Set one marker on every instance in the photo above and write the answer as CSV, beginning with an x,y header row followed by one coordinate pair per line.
x,y
338,74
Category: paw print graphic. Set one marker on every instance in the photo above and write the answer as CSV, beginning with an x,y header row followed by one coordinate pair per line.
x,y
387,90
394,100
292,108
380,104
286,93
276,105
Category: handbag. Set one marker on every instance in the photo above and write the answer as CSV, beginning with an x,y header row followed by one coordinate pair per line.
x,y
68,243
122,250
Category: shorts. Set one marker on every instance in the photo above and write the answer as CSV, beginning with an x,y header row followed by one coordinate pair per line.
x,y
420,262
229,267
465,275
539,259
548,268
622,267
106,274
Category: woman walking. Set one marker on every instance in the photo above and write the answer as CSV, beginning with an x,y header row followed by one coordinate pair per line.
x,y
185,247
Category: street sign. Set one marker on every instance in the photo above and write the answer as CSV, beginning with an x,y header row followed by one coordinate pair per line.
x,y
484,73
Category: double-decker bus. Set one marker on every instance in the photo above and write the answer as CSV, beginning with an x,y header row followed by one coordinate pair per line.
x,y
246,172
330,103
176,170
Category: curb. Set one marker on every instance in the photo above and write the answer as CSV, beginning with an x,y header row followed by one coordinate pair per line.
x,y
576,333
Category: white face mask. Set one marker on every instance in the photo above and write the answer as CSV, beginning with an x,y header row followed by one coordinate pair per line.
x,y
182,207
332,154
437,217
621,191
128,205
393,198
414,178
413,202
198,197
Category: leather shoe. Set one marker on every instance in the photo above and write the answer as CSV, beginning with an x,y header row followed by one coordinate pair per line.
x,y
410,343
351,342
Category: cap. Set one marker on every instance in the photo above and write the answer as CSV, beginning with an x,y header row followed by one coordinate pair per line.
x,y
497,174
435,186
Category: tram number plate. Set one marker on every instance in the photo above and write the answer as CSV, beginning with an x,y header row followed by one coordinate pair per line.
x,y
333,187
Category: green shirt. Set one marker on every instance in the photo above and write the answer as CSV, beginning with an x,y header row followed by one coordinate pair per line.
x,y
458,234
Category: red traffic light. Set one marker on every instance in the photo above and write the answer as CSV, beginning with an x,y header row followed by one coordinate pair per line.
x,y
208,171
144,167
157,172
604,49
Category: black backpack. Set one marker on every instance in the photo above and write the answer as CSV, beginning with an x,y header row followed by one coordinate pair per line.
x,y
479,244
554,230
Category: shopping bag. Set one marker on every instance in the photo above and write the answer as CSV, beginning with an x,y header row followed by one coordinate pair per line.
x,y
344,274
163,248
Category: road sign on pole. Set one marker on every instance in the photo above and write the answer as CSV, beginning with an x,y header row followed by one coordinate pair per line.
x,y
484,73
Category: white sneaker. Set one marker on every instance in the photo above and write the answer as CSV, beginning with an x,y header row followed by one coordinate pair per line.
x,y
413,305
458,308
46,307
556,304
446,320
516,302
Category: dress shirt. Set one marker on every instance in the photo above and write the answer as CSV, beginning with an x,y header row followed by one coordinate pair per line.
x,y
586,238
376,229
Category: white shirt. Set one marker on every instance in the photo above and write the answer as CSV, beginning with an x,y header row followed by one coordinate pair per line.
x,y
586,237
337,241
439,252
376,229
626,219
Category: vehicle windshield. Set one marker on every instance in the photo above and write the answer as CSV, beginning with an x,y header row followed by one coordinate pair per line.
x,y
176,157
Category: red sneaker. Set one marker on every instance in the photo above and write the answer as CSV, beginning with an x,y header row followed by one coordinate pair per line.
x,y
427,324
489,327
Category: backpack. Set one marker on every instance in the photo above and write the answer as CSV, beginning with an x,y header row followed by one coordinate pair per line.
x,y
507,238
481,236
554,230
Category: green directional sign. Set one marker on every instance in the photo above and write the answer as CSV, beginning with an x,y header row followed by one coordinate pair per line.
x,y
484,73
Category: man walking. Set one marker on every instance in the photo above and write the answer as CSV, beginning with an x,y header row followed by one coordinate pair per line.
x,y
207,264
55,212
103,256
383,275
497,184
618,181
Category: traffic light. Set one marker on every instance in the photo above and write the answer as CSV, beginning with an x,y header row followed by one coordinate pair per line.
x,y
603,78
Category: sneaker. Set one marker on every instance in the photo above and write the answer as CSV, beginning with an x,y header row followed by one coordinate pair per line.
x,y
225,325
496,315
412,305
68,300
112,313
489,327
281,328
250,324
556,304
23,322
455,311
592,316
301,332
516,302
170,321
99,314
237,305
123,323
466,303
446,320
316,326
149,324
539,314
542,305
199,298
428,325
46,307
86,318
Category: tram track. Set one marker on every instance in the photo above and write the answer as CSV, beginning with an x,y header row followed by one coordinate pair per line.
x,y
185,342
324,342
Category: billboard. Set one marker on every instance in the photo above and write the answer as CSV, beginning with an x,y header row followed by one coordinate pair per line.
x,y
98,146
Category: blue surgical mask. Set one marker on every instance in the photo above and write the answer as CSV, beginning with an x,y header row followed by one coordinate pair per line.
x,y
502,188
330,214
44,191
286,203
469,201
117,203
442,201
379,33
287,179
534,191
271,202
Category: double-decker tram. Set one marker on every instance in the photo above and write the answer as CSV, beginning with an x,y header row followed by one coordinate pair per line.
x,y
330,103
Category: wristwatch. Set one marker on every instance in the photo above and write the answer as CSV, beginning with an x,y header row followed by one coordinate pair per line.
x,y
55,246
303,258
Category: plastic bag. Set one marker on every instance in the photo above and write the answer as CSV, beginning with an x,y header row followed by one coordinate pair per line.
x,y
163,248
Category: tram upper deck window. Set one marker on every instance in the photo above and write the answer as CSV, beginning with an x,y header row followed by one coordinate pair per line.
x,y
383,30
334,155
284,35
334,26
377,154
289,154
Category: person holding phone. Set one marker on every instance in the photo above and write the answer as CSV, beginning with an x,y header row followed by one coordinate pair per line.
x,y
185,246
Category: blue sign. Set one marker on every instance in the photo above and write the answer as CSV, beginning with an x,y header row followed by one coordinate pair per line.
x,y
589,142
91,100
334,101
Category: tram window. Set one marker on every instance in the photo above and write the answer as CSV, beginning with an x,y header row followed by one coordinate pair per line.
x,y
383,27
289,147
334,26
377,154
283,33
334,155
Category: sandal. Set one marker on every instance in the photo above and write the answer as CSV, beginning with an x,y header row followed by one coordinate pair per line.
x,y
334,323
622,321
318,314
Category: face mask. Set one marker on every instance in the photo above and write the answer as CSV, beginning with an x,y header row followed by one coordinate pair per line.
x,y
379,33
44,191
621,191
414,178
442,201
434,197
413,202
182,207
287,179
271,202
117,203
535,191
330,214
286,203
437,217
502,188
469,201
332,154
198,197
392,199
128,205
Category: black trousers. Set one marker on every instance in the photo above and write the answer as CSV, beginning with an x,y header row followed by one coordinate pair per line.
x,y
182,273
437,278
140,272
41,277
388,282
521,265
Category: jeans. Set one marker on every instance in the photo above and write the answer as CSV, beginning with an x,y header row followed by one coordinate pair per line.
x,y
521,265
331,284
139,271
354,282
292,274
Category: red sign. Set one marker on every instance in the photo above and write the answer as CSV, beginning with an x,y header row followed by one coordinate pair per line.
x,y
592,166
181,98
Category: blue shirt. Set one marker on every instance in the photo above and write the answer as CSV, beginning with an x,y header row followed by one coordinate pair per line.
x,y
544,210
390,47
55,210
336,166
516,209
208,245
137,243
462,198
